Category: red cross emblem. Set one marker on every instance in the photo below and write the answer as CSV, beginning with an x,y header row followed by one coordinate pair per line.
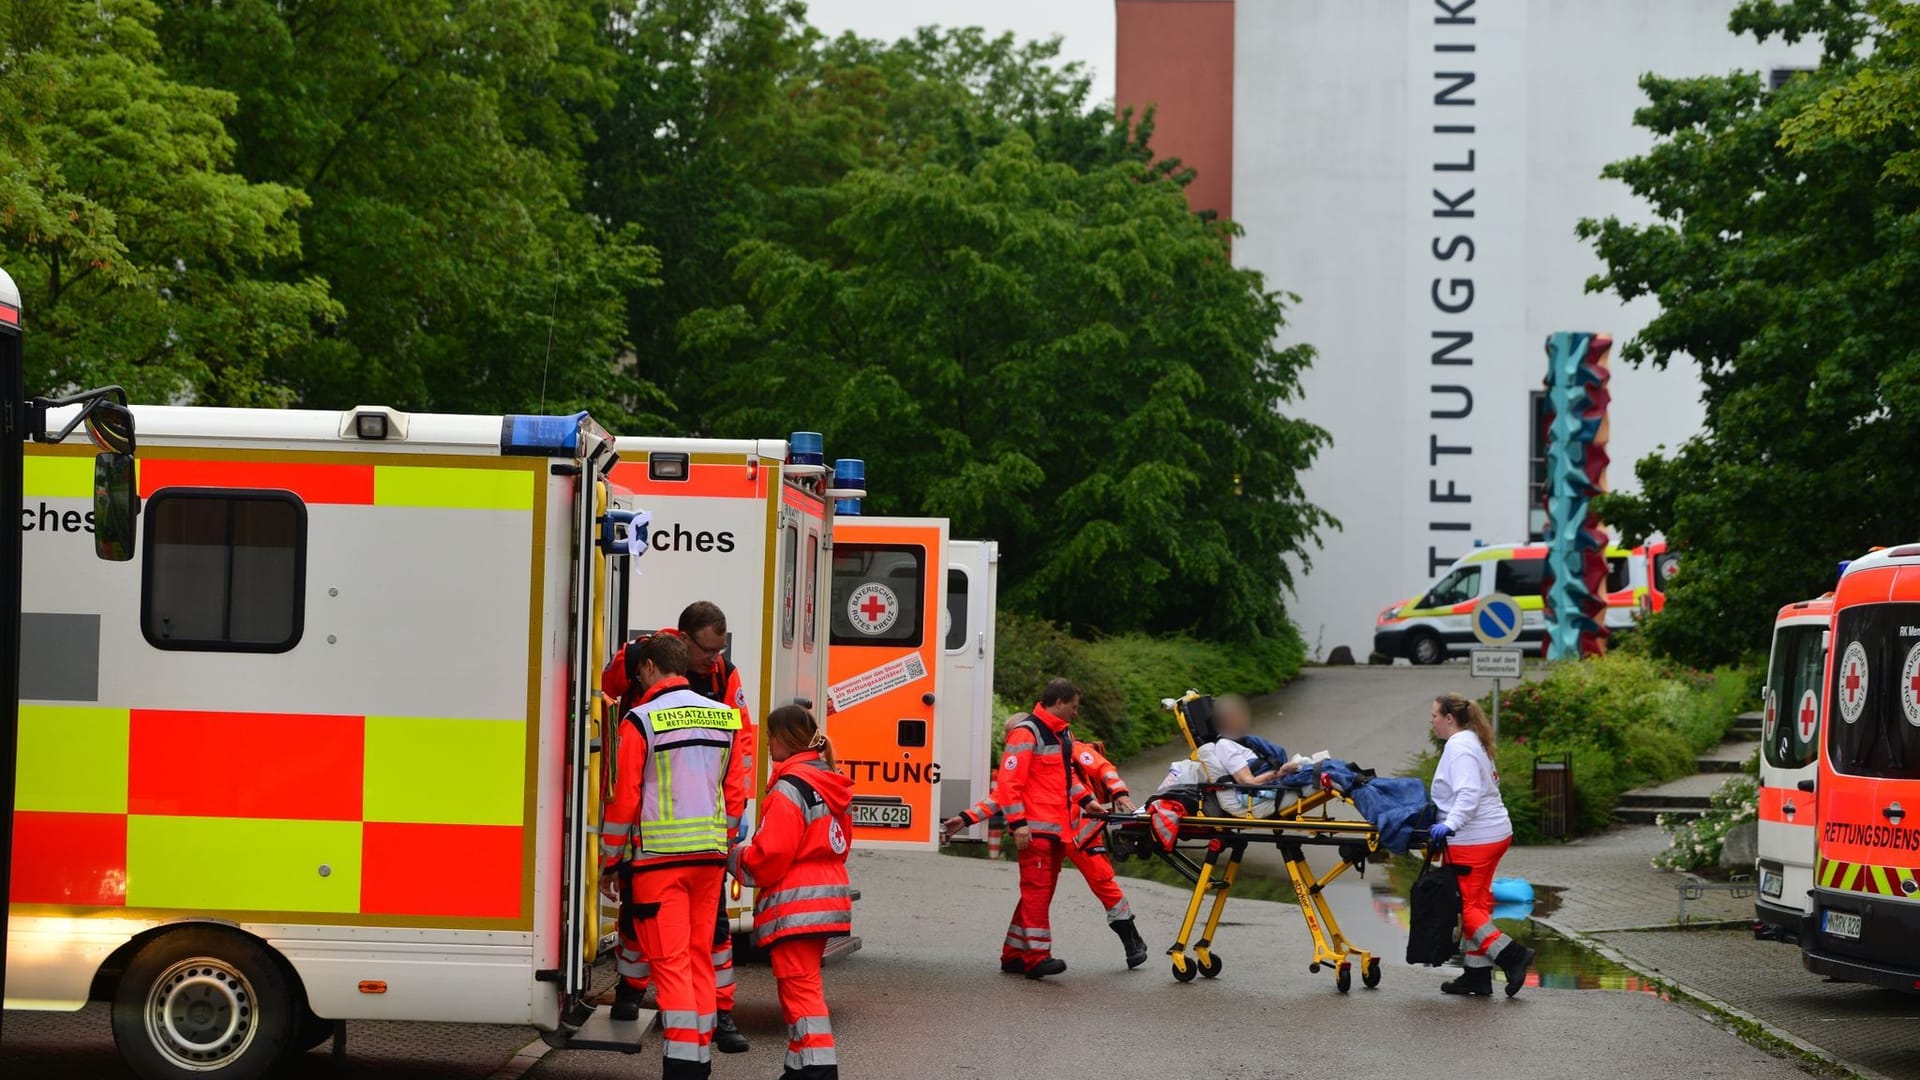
x,y
1910,686
1772,701
1853,682
873,607
1808,715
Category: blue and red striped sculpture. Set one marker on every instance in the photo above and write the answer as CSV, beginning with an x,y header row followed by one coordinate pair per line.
x,y
1576,444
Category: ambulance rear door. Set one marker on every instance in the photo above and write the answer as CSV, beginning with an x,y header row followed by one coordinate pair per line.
x,y
884,618
965,708
1790,743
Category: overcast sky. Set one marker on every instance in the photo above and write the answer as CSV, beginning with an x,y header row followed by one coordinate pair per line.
x,y
1085,25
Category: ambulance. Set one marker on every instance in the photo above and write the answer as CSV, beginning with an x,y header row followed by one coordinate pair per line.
x,y
322,750
884,626
1864,920
1436,624
1790,742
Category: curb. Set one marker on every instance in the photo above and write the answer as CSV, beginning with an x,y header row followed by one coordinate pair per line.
x,y
1752,1029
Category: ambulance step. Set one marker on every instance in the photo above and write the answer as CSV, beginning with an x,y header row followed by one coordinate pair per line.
x,y
1650,815
840,948
603,1032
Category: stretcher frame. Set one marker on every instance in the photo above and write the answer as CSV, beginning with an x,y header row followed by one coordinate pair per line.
x,y
1223,842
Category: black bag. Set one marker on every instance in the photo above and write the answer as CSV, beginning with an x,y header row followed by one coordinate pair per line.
x,y
1434,908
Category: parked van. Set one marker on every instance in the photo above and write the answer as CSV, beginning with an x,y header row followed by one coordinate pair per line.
x,y
1790,736
1864,921
1436,624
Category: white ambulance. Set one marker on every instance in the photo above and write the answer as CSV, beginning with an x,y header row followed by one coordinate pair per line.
x,y
1789,763
321,752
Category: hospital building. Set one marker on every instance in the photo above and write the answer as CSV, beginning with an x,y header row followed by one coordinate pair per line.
x,y
1414,170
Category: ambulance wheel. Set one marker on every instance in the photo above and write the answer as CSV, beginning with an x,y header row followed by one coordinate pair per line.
x,y
310,1033
1343,978
1210,967
1183,971
203,1001
1370,977
1425,647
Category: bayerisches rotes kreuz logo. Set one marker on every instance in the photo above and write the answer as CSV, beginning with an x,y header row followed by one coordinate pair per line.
x,y
873,609
836,837
1852,688
1772,717
1910,685
1808,715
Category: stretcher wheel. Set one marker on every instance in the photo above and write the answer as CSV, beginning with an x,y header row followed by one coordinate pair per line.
x,y
1343,978
1313,968
1183,971
1370,977
1211,966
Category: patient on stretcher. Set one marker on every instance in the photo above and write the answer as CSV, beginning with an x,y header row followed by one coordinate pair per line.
x,y
1236,757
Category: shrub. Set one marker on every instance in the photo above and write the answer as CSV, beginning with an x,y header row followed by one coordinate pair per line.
x,y
1695,844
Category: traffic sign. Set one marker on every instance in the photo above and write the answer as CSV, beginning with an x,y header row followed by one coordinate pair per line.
x,y
1494,663
1496,619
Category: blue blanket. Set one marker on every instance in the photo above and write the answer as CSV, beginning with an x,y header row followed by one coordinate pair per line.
x,y
1396,805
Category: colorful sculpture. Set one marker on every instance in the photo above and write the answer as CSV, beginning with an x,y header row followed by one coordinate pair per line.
x,y
1576,444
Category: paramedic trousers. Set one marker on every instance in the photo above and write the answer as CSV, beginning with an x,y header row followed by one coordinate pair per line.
x,y
1030,935
669,919
1098,871
803,1001
1480,940
633,967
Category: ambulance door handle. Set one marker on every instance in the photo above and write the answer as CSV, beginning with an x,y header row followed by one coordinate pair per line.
x,y
1806,786
980,646
1893,813
926,698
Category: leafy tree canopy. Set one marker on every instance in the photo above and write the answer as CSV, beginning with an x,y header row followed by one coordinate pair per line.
x,y
1784,254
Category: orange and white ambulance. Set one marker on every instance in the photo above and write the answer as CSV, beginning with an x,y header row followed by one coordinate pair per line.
x,y
1436,624
1790,745
322,751
1864,922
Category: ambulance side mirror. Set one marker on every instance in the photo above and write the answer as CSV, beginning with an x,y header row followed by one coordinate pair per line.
x,y
116,507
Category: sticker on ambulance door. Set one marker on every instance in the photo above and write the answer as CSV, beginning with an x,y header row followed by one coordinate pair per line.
x,y
1853,682
1910,685
872,609
1809,714
1772,715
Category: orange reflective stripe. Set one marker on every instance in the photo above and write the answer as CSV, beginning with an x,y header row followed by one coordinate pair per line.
x,y
314,483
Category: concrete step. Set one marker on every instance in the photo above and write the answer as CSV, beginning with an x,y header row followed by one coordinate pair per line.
x,y
1650,815
1748,721
1721,765
1636,800
1729,757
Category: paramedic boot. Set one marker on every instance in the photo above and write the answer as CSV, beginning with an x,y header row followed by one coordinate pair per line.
x,y
1135,944
726,1035
1473,982
626,1002
1515,959
1052,965
1013,965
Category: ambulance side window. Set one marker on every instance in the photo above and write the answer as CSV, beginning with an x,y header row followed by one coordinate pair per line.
x,y
224,571
1883,737
956,610
1520,577
1798,664
790,540
878,593
807,632
1456,588
1619,574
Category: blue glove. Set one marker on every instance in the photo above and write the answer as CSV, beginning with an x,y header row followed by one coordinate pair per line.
x,y
1439,833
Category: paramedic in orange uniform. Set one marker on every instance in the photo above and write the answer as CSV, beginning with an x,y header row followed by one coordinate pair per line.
x,y
797,861
667,856
1088,851
711,674
1038,791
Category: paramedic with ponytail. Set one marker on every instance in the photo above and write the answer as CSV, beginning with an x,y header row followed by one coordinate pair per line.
x,y
797,863
1474,825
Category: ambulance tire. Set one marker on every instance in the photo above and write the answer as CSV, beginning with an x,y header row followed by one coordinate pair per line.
x,y
1425,647
203,1001
310,1033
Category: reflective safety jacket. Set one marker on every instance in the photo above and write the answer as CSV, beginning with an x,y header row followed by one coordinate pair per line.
x,y
797,859
1104,784
721,683
670,761
1036,785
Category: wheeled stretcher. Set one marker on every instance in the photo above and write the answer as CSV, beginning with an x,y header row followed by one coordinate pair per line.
x,y
1206,845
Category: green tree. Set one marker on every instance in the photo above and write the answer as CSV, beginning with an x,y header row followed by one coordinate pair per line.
x,y
1784,252
1064,360
141,258
441,144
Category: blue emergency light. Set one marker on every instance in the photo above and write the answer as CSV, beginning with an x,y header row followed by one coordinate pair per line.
x,y
806,448
849,473
542,436
1844,563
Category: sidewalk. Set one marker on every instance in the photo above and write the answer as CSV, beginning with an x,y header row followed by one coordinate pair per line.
x,y
1615,900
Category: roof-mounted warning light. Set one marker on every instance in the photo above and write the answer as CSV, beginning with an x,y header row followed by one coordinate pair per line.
x,y
373,422
806,454
850,486
541,436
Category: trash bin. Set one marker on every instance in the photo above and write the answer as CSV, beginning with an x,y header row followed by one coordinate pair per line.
x,y
1553,794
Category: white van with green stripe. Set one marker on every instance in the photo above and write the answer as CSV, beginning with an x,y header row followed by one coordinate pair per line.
x,y
1435,624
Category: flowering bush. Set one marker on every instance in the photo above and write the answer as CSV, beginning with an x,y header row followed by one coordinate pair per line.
x,y
1695,845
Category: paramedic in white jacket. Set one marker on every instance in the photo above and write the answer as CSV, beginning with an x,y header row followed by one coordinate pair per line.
x,y
1473,822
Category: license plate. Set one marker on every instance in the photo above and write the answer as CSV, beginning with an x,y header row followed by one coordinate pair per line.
x,y
1771,885
883,815
1840,924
